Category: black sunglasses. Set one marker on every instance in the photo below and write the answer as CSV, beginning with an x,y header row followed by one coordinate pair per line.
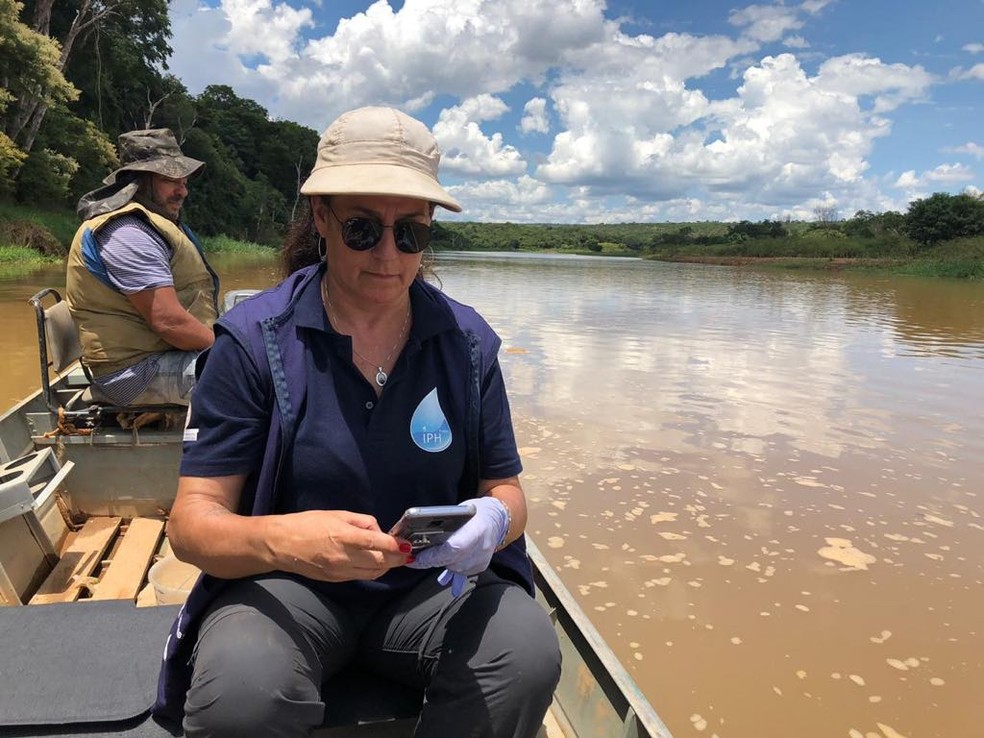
x,y
362,234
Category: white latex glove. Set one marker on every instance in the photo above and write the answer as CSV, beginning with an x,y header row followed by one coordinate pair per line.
x,y
469,549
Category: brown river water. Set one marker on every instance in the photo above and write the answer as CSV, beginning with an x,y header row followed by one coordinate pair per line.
x,y
765,489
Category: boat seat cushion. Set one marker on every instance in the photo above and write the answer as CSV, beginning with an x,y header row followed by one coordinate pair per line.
x,y
79,664
90,668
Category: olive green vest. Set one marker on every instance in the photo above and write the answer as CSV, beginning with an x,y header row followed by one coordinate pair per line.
x,y
113,334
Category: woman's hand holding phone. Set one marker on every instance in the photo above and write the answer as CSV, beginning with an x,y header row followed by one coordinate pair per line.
x,y
469,549
335,545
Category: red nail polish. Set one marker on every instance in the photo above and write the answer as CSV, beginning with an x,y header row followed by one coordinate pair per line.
x,y
405,548
411,559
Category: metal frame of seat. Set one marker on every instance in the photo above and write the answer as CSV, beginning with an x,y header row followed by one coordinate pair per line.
x,y
58,349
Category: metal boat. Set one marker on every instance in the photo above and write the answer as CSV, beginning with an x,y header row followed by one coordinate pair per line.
x,y
85,489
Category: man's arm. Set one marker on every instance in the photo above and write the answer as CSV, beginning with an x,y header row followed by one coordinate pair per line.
x,y
137,262
168,319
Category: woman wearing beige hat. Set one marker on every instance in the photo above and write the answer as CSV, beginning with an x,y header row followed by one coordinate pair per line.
x,y
328,405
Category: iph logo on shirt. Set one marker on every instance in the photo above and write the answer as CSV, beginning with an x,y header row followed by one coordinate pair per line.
x,y
429,428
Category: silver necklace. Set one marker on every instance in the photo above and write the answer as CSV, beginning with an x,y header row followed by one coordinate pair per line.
x,y
381,376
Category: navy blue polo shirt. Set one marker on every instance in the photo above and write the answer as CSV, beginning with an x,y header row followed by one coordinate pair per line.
x,y
353,450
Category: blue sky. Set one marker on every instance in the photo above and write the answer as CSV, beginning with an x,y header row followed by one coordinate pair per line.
x,y
583,111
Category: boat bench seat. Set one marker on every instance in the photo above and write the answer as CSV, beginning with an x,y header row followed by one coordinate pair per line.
x,y
59,350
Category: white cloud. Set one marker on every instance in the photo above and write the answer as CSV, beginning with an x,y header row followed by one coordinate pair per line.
x,y
765,22
459,48
637,126
201,53
970,148
260,27
785,135
863,76
621,103
815,6
535,118
949,173
944,174
975,72
523,191
907,180
795,42
399,57
466,150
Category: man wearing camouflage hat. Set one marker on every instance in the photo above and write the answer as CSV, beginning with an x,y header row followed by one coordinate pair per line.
x,y
138,285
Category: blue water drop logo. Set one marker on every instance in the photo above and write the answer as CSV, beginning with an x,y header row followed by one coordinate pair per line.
x,y
429,428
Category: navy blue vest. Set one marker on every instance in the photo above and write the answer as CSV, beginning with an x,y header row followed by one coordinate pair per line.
x,y
264,326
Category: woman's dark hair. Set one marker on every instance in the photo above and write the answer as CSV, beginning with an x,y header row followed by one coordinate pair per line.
x,y
300,247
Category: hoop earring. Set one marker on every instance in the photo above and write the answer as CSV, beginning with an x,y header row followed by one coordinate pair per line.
x,y
322,248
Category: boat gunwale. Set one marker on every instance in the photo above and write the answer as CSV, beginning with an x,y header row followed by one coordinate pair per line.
x,y
623,687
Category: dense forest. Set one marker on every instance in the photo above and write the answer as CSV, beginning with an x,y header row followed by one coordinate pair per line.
x,y
77,73
927,224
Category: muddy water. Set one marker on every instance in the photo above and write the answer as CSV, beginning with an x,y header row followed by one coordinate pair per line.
x,y
19,365
767,490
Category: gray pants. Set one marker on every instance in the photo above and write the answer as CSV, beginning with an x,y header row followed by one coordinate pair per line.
x,y
173,382
487,661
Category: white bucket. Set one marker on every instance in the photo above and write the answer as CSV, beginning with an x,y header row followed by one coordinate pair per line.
x,y
172,580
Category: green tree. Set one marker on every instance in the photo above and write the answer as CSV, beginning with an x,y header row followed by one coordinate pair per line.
x,y
214,195
120,65
71,156
286,158
11,157
31,76
142,23
943,216
174,108
745,229
238,122
860,225
275,154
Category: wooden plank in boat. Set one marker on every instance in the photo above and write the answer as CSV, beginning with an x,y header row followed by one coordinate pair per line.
x,y
147,596
78,561
551,728
128,567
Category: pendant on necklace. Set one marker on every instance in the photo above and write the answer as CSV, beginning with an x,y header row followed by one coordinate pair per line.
x,y
381,376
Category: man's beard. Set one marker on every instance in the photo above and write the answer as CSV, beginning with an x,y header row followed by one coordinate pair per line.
x,y
155,206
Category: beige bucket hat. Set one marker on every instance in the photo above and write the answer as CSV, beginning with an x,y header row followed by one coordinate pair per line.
x,y
378,151
153,150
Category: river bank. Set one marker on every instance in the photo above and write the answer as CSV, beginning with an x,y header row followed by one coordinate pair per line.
x,y
791,262
30,237
954,267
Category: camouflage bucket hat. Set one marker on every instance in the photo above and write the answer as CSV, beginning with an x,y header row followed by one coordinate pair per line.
x,y
153,150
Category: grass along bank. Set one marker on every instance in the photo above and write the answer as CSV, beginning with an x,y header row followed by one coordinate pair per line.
x,y
35,236
958,259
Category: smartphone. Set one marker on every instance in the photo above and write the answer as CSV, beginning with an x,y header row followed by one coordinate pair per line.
x,y
431,525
